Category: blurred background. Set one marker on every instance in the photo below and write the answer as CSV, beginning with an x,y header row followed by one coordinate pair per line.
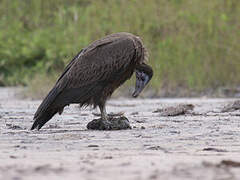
x,y
193,45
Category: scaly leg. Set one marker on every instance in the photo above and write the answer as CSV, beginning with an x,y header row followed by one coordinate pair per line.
x,y
105,124
104,115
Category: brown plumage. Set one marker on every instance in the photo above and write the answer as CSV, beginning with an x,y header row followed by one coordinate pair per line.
x,y
92,76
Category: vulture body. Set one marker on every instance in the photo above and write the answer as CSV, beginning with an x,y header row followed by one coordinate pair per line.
x,y
94,73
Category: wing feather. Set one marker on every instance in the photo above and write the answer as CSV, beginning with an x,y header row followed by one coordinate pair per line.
x,y
69,65
101,63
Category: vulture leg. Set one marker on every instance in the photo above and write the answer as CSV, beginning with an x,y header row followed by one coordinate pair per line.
x,y
104,115
104,120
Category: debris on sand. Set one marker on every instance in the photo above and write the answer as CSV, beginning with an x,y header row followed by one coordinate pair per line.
x,y
110,114
93,145
157,148
13,157
53,126
134,113
179,109
118,123
140,121
47,168
214,149
230,163
14,127
233,106
224,163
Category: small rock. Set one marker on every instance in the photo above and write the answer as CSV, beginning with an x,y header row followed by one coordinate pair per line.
x,y
13,157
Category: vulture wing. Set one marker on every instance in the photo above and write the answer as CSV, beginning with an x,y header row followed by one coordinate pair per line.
x,y
86,74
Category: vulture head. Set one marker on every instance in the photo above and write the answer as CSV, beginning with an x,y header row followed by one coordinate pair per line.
x,y
144,74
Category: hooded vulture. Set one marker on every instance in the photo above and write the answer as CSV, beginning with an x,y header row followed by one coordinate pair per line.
x,y
94,73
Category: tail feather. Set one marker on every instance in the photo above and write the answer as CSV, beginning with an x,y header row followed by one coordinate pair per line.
x,y
44,117
51,104
47,109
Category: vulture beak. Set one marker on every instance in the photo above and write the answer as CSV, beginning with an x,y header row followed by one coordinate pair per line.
x,y
144,74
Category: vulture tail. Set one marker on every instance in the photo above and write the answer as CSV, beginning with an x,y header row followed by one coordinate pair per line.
x,y
47,109
42,119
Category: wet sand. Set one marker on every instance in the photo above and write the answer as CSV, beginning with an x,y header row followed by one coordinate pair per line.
x,y
190,146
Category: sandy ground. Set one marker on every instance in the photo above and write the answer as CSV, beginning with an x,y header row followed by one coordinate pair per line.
x,y
157,147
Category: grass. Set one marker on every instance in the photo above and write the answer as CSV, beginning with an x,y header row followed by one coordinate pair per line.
x,y
192,44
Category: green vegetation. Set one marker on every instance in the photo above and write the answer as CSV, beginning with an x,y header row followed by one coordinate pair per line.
x,y
192,43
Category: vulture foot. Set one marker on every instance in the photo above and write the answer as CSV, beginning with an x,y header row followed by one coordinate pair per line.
x,y
117,123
